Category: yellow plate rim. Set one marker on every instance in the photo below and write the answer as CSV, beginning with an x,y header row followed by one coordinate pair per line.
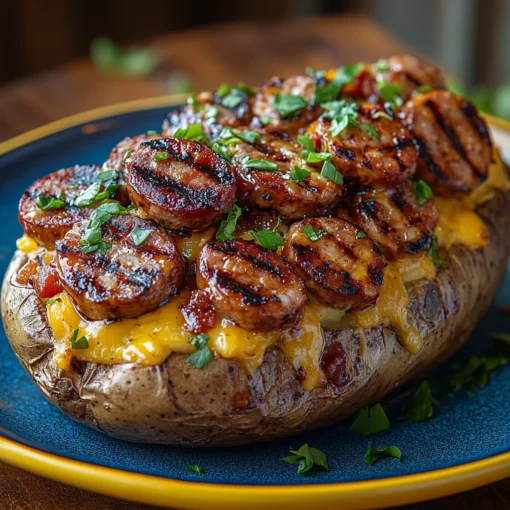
x,y
148,489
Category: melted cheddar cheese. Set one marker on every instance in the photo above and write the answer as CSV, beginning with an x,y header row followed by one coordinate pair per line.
x,y
190,246
152,337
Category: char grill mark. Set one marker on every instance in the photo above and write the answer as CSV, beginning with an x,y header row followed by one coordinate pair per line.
x,y
249,296
201,197
476,121
431,163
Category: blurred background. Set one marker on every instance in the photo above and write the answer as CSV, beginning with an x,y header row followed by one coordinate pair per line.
x,y
161,46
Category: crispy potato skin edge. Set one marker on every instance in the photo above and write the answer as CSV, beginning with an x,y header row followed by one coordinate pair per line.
x,y
174,403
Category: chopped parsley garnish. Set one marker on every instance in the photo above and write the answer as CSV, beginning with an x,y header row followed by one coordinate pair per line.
x,y
312,234
52,301
422,89
248,136
223,90
233,99
46,203
244,88
342,115
228,225
78,343
211,114
195,104
390,92
86,197
299,175
288,105
227,136
92,239
161,156
128,154
107,175
347,73
194,132
203,354
309,154
374,454
196,470
371,130
433,252
222,151
139,235
108,192
360,234
265,120
331,90
370,420
152,132
318,75
269,239
420,406
423,192
382,65
330,172
259,164
307,458
328,92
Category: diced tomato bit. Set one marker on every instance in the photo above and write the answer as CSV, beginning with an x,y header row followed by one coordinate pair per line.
x,y
316,139
47,282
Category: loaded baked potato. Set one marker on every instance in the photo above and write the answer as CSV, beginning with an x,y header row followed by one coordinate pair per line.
x,y
270,263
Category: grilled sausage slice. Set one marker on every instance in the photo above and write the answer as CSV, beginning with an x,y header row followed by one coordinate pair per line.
x,y
129,279
180,183
264,105
250,285
385,158
209,110
394,220
117,161
274,189
454,142
338,267
47,226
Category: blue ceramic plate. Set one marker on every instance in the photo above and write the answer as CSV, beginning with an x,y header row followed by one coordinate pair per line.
x,y
465,445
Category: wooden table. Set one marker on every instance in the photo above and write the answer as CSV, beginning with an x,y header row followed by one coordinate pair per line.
x,y
241,51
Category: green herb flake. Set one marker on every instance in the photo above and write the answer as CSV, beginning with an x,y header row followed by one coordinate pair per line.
x,y
312,234
152,132
370,420
420,406
306,142
299,175
360,234
288,105
233,99
269,239
46,203
423,89
194,132
128,154
203,355
223,90
382,65
308,153
161,156
371,130
53,301
342,115
423,192
307,458
248,91
228,225
347,73
212,114
374,454
330,172
222,151
85,198
139,235
259,164
107,175
433,252
390,92
248,136
265,120
195,104
78,343
196,470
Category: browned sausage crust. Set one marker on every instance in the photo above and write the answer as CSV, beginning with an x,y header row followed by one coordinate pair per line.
x,y
274,188
264,104
250,285
132,277
454,142
394,220
360,367
180,183
384,153
210,111
339,266
48,226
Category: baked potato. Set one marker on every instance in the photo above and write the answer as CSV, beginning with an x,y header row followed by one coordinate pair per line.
x,y
339,317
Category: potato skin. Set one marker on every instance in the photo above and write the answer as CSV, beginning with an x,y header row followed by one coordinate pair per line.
x,y
174,403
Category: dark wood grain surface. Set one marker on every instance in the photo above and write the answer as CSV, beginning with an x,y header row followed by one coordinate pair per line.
x,y
249,52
